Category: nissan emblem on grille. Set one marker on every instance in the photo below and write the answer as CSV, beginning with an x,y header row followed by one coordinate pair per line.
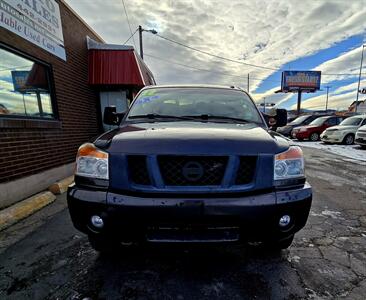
x,y
192,171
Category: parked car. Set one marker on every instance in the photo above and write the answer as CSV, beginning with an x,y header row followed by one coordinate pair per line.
x,y
345,132
360,138
189,164
299,121
315,128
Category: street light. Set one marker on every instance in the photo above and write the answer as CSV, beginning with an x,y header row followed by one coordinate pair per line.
x,y
359,77
153,31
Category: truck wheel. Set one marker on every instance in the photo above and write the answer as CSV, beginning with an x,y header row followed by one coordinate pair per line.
x,y
349,139
314,137
280,244
102,244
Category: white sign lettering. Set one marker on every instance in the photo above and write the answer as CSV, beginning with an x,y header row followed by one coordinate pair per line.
x,y
37,21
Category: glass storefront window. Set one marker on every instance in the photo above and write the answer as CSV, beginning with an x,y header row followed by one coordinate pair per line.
x,y
24,87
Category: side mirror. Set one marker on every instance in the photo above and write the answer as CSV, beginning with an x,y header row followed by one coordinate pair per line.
x,y
111,117
276,118
281,117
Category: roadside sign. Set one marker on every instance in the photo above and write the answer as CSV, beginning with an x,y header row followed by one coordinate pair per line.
x,y
300,80
20,81
37,21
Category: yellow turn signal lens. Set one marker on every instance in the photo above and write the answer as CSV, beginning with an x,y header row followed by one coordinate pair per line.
x,y
293,153
88,149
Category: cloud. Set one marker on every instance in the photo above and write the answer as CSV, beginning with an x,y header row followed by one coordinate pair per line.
x,y
350,87
269,33
347,62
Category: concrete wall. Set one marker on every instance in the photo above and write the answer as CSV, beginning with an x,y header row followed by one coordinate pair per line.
x,y
14,191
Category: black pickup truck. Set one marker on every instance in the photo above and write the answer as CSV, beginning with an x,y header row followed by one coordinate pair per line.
x,y
189,164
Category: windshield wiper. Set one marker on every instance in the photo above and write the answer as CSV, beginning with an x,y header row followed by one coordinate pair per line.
x,y
210,117
157,116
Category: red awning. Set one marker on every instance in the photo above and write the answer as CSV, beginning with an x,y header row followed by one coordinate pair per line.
x,y
117,65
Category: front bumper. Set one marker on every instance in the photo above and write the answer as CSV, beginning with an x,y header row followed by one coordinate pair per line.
x,y
331,138
360,140
249,218
300,135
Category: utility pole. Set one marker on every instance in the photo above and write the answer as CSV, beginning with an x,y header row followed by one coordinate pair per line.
x,y
264,104
153,31
326,103
248,84
140,37
299,101
359,77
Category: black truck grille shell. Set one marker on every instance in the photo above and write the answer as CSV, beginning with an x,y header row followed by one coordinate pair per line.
x,y
137,169
210,170
246,170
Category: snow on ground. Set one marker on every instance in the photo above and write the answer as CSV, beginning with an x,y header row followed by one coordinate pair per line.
x,y
354,152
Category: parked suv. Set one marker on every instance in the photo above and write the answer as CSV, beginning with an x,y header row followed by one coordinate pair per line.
x,y
299,121
361,136
344,132
189,164
315,128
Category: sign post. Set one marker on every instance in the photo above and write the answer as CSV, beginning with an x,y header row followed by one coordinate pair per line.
x,y
300,81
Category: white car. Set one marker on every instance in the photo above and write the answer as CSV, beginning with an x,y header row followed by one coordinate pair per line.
x,y
361,137
345,132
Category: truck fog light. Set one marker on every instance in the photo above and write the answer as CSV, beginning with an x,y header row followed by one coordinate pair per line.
x,y
97,221
284,221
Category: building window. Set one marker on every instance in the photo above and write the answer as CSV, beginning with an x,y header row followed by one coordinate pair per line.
x,y
25,89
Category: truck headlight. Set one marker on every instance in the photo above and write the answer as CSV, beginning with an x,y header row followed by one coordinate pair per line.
x,y
91,162
289,164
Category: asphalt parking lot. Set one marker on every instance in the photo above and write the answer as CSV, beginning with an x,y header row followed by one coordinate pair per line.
x,y
44,257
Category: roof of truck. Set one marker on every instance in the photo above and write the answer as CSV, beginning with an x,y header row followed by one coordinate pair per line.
x,y
212,86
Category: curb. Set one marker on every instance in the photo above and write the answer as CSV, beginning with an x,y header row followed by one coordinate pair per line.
x,y
60,187
23,209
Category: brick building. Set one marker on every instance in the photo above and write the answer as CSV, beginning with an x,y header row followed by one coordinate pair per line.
x,y
47,106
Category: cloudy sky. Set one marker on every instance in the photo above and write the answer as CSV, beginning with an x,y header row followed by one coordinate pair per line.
x,y
325,35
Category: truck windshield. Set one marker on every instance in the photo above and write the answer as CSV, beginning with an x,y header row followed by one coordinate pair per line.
x,y
195,102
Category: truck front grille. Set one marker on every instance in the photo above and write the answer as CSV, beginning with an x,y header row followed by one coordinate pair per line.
x,y
185,170
246,169
192,170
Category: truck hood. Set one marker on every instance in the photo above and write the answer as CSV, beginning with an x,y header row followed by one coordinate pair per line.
x,y
192,138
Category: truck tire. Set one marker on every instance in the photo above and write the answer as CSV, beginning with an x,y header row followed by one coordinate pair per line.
x,y
284,244
279,244
349,139
102,244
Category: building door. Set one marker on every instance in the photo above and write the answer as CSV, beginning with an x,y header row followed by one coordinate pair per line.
x,y
113,98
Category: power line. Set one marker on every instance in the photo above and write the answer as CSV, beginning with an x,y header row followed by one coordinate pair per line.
x,y
130,37
214,55
240,62
205,70
128,21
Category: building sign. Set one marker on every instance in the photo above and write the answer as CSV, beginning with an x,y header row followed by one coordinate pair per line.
x,y
300,80
37,21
